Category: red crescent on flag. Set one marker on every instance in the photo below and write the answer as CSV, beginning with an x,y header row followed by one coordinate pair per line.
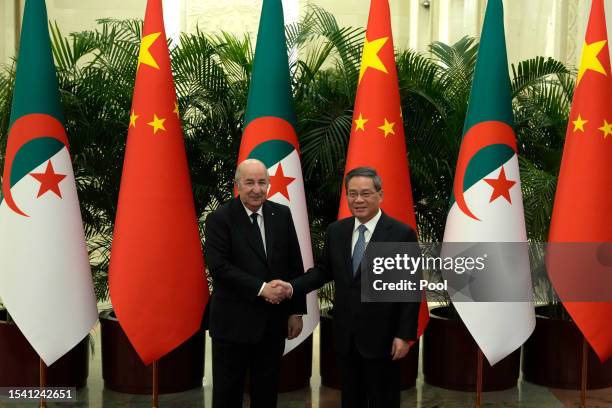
x,y
263,129
478,137
24,130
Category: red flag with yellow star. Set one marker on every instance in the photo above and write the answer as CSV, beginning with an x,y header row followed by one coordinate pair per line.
x,y
583,202
157,278
377,136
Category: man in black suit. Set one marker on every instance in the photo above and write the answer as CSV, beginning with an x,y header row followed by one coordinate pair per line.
x,y
250,242
370,338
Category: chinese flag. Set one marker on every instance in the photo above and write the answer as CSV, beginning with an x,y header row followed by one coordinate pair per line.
x,y
582,210
377,135
157,277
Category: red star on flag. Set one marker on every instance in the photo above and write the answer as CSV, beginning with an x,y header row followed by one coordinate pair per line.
x,y
279,183
501,186
49,180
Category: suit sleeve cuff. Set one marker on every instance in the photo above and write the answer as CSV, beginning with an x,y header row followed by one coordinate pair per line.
x,y
263,285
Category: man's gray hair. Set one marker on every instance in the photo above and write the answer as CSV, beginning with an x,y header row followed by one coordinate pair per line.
x,y
248,161
364,171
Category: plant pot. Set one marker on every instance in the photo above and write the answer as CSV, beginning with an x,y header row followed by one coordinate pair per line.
x,y
20,364
330,375
450,357
123,371
552,356
296,367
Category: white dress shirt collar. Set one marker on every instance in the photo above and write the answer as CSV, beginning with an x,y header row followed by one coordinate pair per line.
x,y
370,225
249,212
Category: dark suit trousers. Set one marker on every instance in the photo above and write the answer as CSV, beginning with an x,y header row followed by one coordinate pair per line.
x,y
369,383
231,361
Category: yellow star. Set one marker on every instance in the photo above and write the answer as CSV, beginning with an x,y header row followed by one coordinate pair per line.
x,y
606,128
589,60
579,124
360,123
370,58
145,57
387,127
158,123
176,110
133,117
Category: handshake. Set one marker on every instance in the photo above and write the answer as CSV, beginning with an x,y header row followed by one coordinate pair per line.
x,y
276,291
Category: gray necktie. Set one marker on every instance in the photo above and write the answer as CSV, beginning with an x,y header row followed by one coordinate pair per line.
x,y
359,248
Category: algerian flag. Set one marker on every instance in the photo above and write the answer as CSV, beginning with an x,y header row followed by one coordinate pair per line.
x,y
269,135
45,278
487,204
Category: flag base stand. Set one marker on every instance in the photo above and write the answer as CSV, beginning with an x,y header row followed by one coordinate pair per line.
x,y
479,373
155,381
42,382
584,372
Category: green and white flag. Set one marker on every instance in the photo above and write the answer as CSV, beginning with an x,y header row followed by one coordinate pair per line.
x,y
45,278
269,135
487,204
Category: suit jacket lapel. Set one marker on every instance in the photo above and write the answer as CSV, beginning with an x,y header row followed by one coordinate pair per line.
x,y
269,224
245,225
346,237
381,231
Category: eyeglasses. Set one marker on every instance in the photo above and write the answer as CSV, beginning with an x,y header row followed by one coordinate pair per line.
x,y
353,195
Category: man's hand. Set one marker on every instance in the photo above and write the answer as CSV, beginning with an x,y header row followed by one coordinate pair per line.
x,y
294,326
286,287
272,293
276,291
400,348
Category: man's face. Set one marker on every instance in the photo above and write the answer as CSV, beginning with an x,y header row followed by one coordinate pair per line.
x,y
253,185
363,199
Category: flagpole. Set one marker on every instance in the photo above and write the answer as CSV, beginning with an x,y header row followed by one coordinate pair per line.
x,y
583,373
155,385
479,378
42,369
17,16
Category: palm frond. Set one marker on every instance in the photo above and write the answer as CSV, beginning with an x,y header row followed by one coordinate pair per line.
x,y
533,71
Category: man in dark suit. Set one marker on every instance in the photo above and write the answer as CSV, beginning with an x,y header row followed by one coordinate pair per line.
x,y
370,338
250,242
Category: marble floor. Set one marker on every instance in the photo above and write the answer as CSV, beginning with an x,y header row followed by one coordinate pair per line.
x,y
525,395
